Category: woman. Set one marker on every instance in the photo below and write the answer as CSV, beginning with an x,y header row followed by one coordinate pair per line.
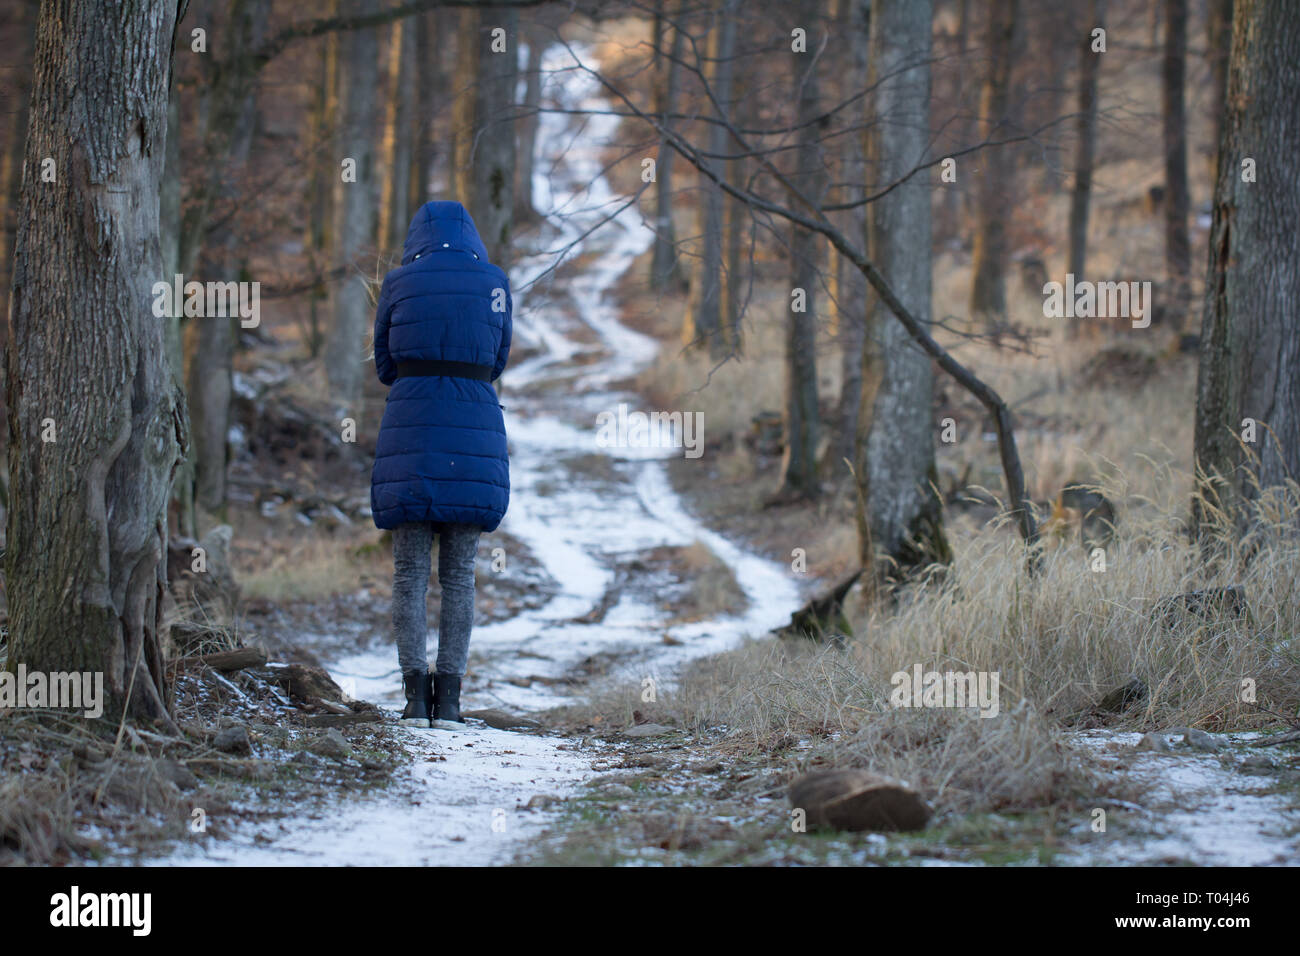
x,y
442,335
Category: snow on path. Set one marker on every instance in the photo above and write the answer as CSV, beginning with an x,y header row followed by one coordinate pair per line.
x,y
461,804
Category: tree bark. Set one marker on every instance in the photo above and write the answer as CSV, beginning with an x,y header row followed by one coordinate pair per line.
x,y
227,123
850,284
394,212
1177,248
1250,333
895,457
665,271
988,288
529,121
802,415
704,323
1085,146
323,137
356,211
1218,28
85,564
485,144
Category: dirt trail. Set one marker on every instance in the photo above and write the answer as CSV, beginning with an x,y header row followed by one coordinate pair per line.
x,y
462,800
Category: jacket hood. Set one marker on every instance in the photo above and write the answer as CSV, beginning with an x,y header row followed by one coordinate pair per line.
x,y
442,225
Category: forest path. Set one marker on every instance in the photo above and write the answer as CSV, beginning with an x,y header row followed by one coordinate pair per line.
x,y
462,800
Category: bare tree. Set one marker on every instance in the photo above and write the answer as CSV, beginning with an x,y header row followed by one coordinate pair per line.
x,y
988,286
850,285
1177,248
1085,144
802,415
665,270
485,133
94,420
399,128
1250,331
895,465
355,208
704,319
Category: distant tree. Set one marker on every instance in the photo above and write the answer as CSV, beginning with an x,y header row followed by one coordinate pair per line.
x,y
895,464
485,128
538,39
1177,247
95,424
1085,144
849,283
989,256
802,414
355,226
1218,28
1250,331
399,129
704,320
230,117
665,269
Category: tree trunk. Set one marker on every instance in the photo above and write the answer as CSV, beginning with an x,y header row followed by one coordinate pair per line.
x,y
1177,248
988,287
430,90
529,121
394,212
95,429
665,272
1085,146
704,325
1250,333
324,171
485,143
896,455
356,211
802,416
1218,28
850,284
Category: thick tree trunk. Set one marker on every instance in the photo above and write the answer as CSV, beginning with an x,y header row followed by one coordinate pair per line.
x,y
704,323
1250,333
665,271
1085,145
988,288
1177,248
356,211
485,137
95,430
896,456
802,416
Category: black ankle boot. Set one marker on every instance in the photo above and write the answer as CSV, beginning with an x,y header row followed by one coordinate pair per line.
x,y
419,697
446,700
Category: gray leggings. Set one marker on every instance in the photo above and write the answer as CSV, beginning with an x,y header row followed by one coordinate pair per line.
x,y
457,545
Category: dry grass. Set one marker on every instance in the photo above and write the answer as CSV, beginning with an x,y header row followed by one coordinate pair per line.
x,y
1059,642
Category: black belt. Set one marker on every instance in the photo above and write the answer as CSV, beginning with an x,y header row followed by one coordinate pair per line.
x,y
482,373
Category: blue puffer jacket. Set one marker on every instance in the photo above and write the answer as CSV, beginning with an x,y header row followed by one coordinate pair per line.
x,y
441,454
